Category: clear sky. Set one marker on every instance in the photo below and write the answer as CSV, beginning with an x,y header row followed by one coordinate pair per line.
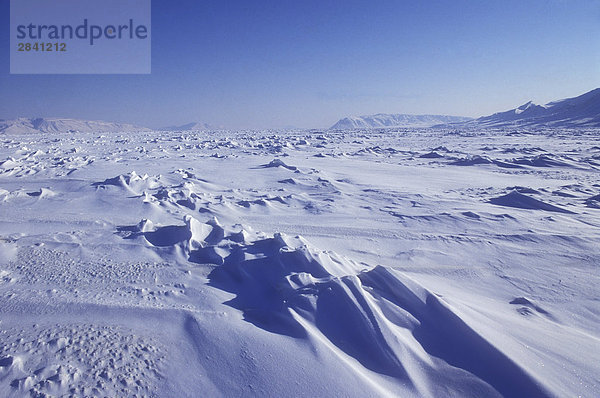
x,y
305,63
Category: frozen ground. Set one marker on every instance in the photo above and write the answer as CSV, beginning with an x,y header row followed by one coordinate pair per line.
x,y
383,263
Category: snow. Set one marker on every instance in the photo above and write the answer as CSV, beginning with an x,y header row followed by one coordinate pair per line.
x,y
367,263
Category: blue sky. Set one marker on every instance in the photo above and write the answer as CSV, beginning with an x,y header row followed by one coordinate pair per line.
x,y
304,63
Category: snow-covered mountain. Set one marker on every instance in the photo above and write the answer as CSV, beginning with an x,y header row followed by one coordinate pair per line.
x,y
58,125
395,120
581,111
190,127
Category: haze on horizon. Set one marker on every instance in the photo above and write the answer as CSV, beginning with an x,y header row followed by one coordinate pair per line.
x,y
306,64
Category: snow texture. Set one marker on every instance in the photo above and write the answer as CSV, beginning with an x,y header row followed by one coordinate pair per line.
x,y
364,263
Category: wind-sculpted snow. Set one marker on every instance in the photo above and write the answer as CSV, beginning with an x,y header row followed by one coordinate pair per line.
x,y
281,283
131,182
519,200
429,263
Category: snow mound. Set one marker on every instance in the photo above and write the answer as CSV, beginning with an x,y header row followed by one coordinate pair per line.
x,y
472,161
528,307
593,201
431,155
285,286
42,193
131,182
278,163
521,201
545,160
375,316
288,181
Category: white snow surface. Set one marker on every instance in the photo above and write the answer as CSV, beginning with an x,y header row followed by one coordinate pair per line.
x,y
411,263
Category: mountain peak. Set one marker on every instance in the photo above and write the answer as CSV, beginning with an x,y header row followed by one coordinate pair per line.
x,y
528,106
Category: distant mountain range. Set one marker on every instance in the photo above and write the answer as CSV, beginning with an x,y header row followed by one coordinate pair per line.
x,y
190,127
581,111
57,125
395,120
